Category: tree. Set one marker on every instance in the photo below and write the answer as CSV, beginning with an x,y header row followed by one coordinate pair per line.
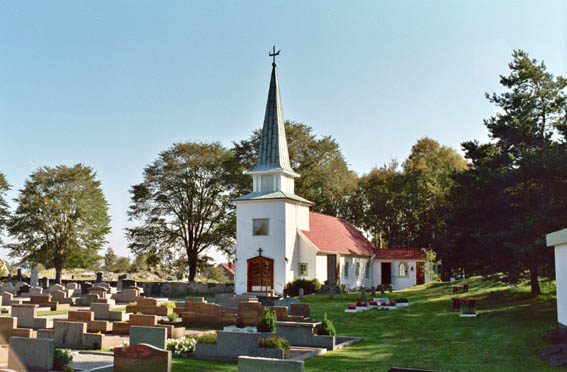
x,y
4,208
184,204
61,218
517,185
122,265
110,258
325,178
403,207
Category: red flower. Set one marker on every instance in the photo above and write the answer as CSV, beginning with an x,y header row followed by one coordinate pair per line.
x,y
351,307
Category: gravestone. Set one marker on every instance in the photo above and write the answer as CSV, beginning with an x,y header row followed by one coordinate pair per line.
x,y
154,336
332,292
69,334
30,354
44,283
363,294
19,276
99,277
34,278
24,288
301,294
373,292
8,287
85,286
128,283
141,357
253,364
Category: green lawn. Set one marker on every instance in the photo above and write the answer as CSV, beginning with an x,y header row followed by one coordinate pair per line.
x,y
430,335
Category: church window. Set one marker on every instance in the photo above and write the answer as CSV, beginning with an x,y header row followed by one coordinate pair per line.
x,y
357,270
260,226
367,270
302,269
403,269
346,269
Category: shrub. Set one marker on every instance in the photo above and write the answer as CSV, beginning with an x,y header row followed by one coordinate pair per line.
x,y
309,286
172,317
168,304
210,338
182,345
61,359
326,328
268,321
275,342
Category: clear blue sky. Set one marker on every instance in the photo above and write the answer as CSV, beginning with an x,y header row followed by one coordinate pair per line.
x,y
112,83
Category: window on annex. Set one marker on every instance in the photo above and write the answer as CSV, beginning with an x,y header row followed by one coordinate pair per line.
x,y
260,226
357,270
367,270
346,269
303,268
403,269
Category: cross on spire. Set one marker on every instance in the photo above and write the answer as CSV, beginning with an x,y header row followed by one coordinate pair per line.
x,y
260,250
273,54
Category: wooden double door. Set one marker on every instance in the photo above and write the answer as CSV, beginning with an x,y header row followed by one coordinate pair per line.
x,y
260,274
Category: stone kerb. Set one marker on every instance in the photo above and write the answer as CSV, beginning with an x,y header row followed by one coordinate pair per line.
x,y
141,357
254,364
301,334
30,354
231,345
154,336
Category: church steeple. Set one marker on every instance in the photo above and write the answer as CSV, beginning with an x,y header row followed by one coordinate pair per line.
x,y
273,154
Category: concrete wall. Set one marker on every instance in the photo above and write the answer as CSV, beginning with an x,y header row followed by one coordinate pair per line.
x,y
561,282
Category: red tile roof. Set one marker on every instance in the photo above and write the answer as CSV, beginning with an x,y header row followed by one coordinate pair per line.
x,y
335,235
400,254
228,266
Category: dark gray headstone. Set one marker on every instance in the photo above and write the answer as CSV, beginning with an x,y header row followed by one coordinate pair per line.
x,y
98,277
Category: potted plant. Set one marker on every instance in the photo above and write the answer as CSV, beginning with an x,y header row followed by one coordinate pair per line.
x,y
278,343
351,309
361,305
267,322
325,328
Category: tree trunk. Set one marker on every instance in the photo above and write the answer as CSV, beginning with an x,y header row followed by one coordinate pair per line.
x,y
58,275
534,280
192,260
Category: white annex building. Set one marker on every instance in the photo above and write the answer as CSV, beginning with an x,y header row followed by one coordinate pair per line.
x,y
278,239
558,240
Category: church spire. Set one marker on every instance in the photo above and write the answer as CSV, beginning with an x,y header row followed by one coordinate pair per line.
x,y
273,154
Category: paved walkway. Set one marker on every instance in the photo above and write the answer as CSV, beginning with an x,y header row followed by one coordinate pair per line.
x,y
85,360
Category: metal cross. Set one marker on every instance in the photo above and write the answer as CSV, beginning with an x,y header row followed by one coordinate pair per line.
x,y
274,54
260,250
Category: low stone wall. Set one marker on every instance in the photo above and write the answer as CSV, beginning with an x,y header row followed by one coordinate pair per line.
x,y
301,334
160,289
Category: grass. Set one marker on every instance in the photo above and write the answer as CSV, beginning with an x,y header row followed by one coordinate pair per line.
x,y
430,335
49,312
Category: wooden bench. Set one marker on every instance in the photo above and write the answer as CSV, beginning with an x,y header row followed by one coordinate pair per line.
x,y
457,287
469,302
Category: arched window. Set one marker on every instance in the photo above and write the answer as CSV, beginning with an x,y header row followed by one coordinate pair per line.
x,y
346,269
357,270
367,270
403,269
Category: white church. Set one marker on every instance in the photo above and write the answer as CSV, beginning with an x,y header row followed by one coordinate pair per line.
x,y
278,238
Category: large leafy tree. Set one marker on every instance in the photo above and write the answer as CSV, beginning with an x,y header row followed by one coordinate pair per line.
x,y
516,190
403,207
4,208
184,204
325,178
61,218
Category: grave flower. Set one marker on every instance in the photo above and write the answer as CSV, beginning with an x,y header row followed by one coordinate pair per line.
x,y
373,303
360,304
351,307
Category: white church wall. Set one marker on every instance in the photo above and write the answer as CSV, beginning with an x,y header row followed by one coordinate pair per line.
x,y
297,217
354,279
561,282
273,244
321,267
